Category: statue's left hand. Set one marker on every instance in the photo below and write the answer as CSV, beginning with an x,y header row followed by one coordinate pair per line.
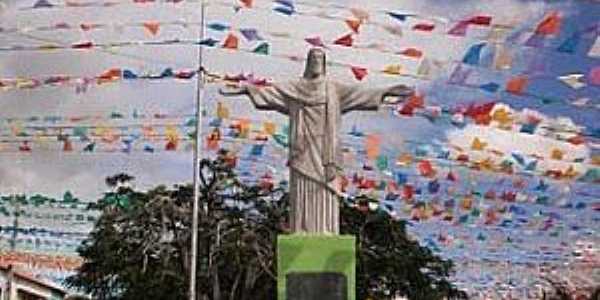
x,y
400,92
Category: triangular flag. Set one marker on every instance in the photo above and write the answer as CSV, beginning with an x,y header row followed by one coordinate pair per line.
x,y
481,20
247,3
210,42
595,49
353,24
218,26
478,145
573,80
502,58
594,76
345,40
459,76
152,27
251,34
359,73
412,52
460,29
393,69
550,25
517,84
231,42
288,11
491,87
570,44
315,41
372,144
424,27
262,49
398,16
424,68
473,55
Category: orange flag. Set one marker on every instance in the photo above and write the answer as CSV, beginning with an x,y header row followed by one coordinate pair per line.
x,y
152,27
550,24
412,52
354,24
517,85
372,144
231,42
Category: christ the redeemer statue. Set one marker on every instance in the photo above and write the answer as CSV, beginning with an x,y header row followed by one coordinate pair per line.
x,y
315,104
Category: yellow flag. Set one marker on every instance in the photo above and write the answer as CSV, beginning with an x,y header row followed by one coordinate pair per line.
x,y
171,133
393,70
269,128
222,111
557,154
478,145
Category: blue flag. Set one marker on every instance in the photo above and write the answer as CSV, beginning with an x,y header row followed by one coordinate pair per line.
x,y
474,54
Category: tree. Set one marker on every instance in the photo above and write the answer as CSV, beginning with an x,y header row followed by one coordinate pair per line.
x,y
139,248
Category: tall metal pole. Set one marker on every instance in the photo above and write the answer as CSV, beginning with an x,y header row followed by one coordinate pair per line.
x,y
197,157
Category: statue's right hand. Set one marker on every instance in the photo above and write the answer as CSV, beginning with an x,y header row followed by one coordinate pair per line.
x,y
233,91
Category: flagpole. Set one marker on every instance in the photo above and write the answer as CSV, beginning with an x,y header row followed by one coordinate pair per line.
x,y
197,156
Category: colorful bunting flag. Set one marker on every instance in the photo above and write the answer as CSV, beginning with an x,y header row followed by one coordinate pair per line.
x,y
424,68
231,42
517,84
481,20
345,40
393,70
460,29
399,16
286,10
263,48
251,34
412,52
217,26
594,76
550,25
43,4
573,80
595,49
473,55
359,73
354,25
428,27
247,3
372,146
152,27
570,44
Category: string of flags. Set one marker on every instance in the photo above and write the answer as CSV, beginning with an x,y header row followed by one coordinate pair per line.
x,y
549,26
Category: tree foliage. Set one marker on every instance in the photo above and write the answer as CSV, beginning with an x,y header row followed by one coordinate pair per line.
x,y
139,248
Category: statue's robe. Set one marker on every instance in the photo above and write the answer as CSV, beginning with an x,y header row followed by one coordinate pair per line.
x,y
314,107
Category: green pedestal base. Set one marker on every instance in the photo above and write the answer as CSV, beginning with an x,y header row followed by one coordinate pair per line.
x,y
316,254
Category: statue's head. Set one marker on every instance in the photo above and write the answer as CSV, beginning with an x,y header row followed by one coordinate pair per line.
x,y
315,64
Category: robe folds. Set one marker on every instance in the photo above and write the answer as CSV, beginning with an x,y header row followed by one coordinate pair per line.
x,y
314,107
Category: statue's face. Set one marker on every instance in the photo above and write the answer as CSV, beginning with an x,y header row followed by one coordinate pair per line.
x,y
315,63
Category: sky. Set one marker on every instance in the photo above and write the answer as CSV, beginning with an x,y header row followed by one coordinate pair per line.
x,y
49,171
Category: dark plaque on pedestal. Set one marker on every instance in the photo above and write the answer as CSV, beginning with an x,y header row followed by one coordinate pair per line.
x,y
316,286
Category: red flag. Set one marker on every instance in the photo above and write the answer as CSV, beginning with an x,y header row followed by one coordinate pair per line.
x,y
152,27
345,40
354,24
550,24
481,20
231,42
426,168
247,3
83,45
359,73
424,27
517,85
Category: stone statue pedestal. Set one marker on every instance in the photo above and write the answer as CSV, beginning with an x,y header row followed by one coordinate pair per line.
x,y
316,267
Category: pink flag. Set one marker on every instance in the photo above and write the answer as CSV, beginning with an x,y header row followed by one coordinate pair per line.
x,y
315,41
594,76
